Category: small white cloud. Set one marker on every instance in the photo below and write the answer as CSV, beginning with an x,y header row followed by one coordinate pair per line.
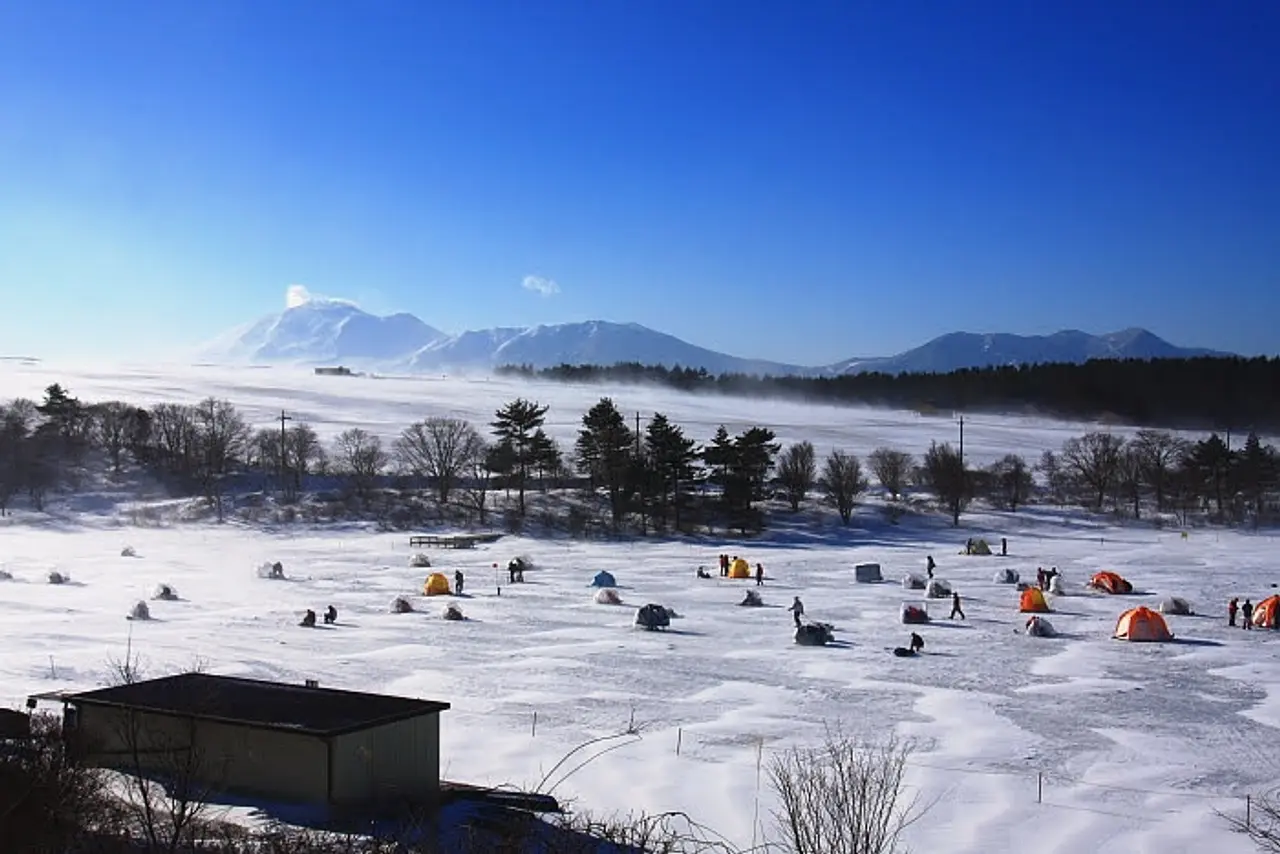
x,y
297,295
300,295
539,285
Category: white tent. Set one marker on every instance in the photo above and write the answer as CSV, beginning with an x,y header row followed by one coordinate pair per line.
x,y
1038,626
911,581
1176,605
1006,576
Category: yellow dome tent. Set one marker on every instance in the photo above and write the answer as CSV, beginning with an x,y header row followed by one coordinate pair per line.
x,y
1033,601
739,569
436,585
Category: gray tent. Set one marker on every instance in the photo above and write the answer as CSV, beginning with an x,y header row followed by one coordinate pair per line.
x,y
867,572
1006,576
604,579
938,589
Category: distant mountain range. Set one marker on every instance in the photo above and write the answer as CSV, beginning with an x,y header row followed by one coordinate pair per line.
x,y
332,332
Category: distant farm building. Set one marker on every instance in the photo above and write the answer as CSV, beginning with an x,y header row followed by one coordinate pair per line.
x,y
338,371
265,741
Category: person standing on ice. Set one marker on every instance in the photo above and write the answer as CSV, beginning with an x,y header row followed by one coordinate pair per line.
x,y
458,578
1232,607
1246,611
797,610
759,574
955,607
930,566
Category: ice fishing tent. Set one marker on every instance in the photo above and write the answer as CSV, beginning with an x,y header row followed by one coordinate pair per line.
x,y
56,577
653,617
739,568
1006,576
752,600
1142,624
1033,602
139,611
867,573
436,585
165,593
910,581
604,579
401,605
977,547
1176,605
420,561
608,596
1110,582
814,634
913,612
937,589
1266,612
1040,627
452,612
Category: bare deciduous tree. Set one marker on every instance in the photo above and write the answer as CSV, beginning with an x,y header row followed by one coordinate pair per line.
x,y
361,457
842,482
173,427
113,425
440,449
1094,460
1160,452
797,472
843,797
892,469
1130,479
1010,481
948,478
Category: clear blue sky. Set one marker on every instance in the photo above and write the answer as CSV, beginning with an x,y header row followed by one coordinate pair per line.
x,y
797,181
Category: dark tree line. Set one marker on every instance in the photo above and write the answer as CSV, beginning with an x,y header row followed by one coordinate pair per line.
x,y
1202,393
649,478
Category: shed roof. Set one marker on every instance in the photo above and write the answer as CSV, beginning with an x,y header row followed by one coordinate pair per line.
x,y
261,704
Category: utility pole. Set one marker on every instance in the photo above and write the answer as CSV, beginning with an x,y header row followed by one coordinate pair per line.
x,y
962,438
283,452
637,434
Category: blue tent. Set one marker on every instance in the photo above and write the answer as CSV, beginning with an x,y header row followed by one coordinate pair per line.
x,y
604,579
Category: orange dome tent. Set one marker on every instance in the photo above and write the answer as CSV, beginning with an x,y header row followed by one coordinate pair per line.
x,y
1266,612
1142,624
739,569
436,585
1109,582
1033,601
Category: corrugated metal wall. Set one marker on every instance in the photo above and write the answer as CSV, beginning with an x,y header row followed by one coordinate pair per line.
x,y
270,764
398,761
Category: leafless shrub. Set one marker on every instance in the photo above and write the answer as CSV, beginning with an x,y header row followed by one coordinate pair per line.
x,y
1260,821
843,797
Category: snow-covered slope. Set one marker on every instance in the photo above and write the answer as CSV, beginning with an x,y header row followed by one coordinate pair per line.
x,y
323,330
958,350
594,342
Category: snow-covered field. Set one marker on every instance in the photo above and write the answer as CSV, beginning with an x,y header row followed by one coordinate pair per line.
x,y
1137,744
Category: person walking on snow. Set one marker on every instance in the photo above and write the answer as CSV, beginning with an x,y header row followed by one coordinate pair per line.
x,y
1246,612
955,607
797,610
1232,607
458,578
930,566
759,574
